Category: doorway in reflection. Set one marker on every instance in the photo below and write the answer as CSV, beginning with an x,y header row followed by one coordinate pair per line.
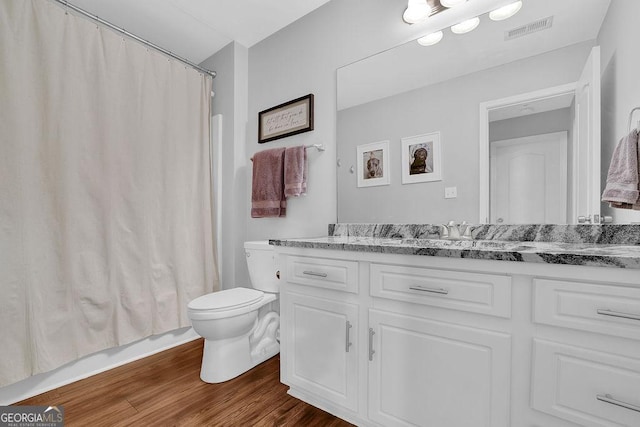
x,y
540,153
529,179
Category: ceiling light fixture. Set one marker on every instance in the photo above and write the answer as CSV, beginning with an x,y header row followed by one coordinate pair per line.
x,y
416,11
506,11
451,3
466,26
430,39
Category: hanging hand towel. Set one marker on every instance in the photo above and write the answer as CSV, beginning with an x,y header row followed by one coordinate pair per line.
x,y
624,175
267,195
295,171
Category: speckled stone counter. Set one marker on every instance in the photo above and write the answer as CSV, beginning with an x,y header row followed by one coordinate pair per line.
x,y
400,240
600,234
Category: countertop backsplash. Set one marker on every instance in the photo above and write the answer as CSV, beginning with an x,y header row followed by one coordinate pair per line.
x,y
607,234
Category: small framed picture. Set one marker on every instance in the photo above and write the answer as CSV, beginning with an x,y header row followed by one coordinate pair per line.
x,y
421,158
286,119
373,164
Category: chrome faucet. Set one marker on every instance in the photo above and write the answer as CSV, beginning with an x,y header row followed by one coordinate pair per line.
x,y
453,231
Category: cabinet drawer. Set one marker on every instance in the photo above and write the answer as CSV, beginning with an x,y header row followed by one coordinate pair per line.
x,y
323,273
586,387
474,292
607,309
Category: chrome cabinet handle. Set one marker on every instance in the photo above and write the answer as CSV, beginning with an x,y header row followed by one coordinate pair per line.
x,y
432,290
371,350
348,341
608,399
618,314
313,273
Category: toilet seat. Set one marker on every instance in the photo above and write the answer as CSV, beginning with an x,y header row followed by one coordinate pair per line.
x,y
228,303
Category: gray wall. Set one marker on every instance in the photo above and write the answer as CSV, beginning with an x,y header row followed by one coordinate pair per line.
x,y
230,87
300,59
620,52
450,108
533,124
303,57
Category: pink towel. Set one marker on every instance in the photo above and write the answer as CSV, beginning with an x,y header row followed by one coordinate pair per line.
x,y
295,171
267,195
624,175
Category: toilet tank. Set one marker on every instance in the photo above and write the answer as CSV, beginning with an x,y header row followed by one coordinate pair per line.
x,y
262,266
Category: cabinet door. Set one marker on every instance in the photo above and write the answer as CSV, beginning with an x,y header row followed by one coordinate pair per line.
x,y
321,347
430,373
587,387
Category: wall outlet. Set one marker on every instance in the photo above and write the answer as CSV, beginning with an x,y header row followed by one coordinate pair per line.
x,y
450,192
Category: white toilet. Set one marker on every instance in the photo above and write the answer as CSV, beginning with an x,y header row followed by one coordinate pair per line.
x,y
239,326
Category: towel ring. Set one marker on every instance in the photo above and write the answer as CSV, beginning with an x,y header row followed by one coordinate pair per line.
x,y
631,119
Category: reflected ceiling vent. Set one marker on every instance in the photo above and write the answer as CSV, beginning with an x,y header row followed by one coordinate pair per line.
x,y
532,27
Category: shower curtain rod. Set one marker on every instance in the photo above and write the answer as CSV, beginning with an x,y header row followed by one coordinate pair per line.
x,y
133,36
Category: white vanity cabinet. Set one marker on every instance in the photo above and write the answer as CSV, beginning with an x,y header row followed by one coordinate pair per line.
x,y
407,340
431,373
319,337
320,342
578,380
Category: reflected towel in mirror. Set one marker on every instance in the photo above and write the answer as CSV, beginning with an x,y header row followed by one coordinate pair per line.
x,y
622,189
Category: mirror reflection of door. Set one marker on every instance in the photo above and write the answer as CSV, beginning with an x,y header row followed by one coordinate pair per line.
x,y
586,194
577,115
529,180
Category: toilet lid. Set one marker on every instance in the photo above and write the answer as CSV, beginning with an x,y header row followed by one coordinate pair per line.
x,y
226,300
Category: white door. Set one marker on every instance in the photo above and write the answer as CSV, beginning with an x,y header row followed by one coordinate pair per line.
x,y
529,180
587,141
428,373
320,342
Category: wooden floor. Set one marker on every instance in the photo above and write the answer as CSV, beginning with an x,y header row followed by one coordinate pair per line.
x,y
165,390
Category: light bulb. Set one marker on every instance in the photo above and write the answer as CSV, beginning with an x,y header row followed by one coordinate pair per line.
x,y
505,11
430,39
466,26
417,11
451,3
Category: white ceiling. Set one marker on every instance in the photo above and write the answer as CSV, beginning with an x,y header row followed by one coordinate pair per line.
x,y
196,29
574,21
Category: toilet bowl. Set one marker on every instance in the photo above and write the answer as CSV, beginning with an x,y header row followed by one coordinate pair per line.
x,y
238,325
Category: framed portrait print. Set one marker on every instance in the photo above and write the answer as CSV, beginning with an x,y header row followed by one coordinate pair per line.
x,y
373,164
421,158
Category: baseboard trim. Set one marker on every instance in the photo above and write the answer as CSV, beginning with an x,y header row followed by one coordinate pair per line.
x,y
94,364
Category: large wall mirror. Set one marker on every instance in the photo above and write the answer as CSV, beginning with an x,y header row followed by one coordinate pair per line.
x,y
515,109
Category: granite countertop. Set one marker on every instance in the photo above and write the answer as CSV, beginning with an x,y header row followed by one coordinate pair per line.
x,y
591,254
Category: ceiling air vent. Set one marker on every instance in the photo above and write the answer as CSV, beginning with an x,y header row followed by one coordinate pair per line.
x,y
532,27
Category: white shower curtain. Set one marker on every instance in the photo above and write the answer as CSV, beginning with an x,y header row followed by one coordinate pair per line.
x,y
105,192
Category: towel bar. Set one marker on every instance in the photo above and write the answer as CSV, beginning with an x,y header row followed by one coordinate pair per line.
x,y
631,119
319,147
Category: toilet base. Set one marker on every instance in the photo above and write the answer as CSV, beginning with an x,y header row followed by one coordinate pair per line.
x,y
226,359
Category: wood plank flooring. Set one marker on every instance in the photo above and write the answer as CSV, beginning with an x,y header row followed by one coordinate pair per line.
x,y
165,390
